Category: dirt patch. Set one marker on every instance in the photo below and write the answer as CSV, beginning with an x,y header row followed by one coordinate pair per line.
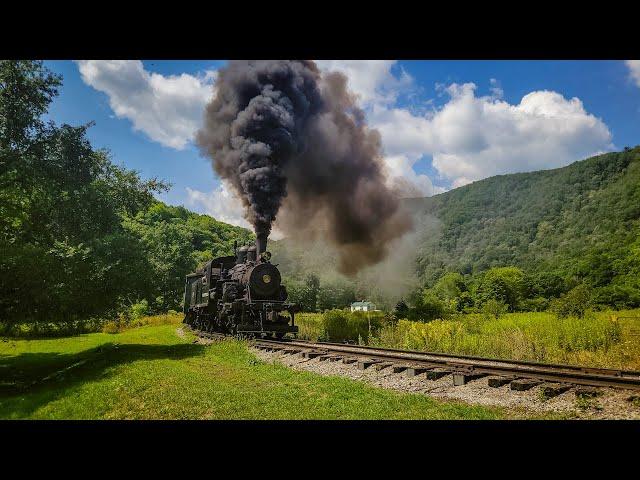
x,y
610,404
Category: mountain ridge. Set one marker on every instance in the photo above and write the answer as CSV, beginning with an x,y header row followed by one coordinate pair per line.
x,y
580,222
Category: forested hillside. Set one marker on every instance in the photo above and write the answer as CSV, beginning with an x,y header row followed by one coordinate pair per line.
x,y
580,222
521,239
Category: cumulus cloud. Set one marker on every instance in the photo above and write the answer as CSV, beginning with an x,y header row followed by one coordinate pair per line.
x,y
223,204
371,80
470,137
168,109
634,70
404,179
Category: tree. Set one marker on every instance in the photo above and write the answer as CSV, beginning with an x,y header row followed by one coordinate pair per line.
x,y
574,303
65,253
450,288
504,284
401,310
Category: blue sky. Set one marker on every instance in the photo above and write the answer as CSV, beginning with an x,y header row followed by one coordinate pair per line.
x,y
443,123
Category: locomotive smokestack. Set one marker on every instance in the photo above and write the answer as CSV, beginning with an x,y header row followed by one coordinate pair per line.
x,y
261,243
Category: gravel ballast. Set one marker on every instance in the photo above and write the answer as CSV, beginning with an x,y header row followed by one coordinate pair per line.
x,y
609,404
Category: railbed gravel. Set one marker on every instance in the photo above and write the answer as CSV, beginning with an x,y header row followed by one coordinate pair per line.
x,y
610,404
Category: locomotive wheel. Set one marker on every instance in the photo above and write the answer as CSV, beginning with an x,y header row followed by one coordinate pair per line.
x,y
280,335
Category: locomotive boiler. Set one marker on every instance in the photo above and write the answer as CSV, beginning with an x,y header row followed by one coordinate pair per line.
x,y
239,294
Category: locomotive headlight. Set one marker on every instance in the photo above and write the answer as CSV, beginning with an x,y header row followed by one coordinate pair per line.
x,y
266,278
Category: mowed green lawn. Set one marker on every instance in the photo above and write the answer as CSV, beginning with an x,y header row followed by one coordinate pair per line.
x,y
152,373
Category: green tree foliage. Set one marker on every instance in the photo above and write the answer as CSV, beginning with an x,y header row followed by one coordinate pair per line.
x,y
423,306
574,303
494,308
575,224
61,204
80,236
176,241
502,284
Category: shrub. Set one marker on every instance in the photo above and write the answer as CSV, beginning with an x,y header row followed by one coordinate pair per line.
x,y
537,304
139,309
426,308
111,326
575,303
504,284
494,308
345,326
401,309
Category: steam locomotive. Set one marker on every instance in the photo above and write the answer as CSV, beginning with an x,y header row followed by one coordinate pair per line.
x,y
240,294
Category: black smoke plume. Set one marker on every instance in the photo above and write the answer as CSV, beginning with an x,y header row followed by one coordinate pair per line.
x,y
294,144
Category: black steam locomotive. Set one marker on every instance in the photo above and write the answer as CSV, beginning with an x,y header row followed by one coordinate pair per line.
x,y
239,294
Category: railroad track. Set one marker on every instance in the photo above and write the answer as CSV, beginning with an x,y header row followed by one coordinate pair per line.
x,y
521,375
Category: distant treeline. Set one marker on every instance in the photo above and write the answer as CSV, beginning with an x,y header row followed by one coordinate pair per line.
x,y
81,237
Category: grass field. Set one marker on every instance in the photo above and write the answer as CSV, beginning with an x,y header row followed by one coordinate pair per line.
x,y
150,372
601,339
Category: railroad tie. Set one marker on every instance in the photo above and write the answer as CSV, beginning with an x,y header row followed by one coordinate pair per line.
x,y
550,390
587,392
364,364
462,378
413,371
382,365
399,368
523,384
437,373
312,354
496,382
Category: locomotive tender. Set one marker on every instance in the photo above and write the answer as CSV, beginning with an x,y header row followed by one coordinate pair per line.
x,y
239,294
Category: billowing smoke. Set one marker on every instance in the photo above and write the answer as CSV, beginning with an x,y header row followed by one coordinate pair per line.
x,y
294,144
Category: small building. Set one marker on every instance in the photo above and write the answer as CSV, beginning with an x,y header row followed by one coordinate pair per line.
x,y
362,306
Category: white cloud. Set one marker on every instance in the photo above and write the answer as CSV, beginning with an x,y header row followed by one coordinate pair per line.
x,y
371,80
222,204
634,70
496,89
404,178
168,109
471,137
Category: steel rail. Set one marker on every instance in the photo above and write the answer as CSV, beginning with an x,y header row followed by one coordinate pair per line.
x,y
545,372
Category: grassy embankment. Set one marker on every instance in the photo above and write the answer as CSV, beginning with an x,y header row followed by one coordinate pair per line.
x,y
602,339
150,372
